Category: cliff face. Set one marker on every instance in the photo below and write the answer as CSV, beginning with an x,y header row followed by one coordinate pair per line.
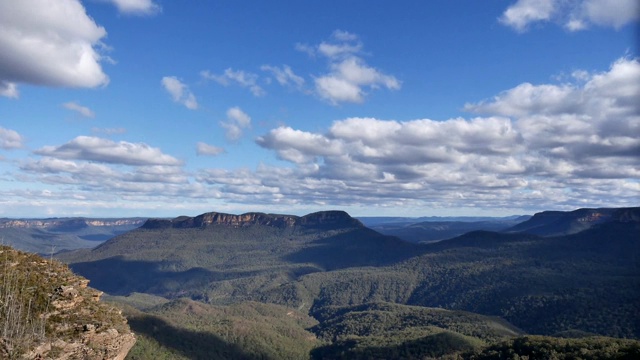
x,y
66,223
318,219
48,312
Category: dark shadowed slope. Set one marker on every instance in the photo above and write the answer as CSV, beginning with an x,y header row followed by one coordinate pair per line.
x,y
553,223
214,254
588,281
430,231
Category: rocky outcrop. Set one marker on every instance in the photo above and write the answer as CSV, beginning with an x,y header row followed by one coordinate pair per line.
x,y
334,219
57,316
68,223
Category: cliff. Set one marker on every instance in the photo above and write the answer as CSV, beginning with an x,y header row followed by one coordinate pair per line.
x,y
334,219
47,312
62,224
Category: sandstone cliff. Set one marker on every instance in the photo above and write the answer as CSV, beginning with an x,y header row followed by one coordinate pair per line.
x,y
68,223
335,219
47,312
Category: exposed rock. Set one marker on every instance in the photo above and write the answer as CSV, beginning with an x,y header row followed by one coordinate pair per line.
x,y
64,317
67,224
322,218
334,218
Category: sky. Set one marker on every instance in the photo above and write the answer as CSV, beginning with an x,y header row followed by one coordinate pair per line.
x,y
158,108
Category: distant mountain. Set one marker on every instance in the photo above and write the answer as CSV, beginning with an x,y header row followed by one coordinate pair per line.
x,y
372,221
543,285
44,236
204,255
339,271
588,281
323,219
554,223
430,231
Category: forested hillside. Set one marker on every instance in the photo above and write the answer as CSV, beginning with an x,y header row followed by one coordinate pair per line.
x,y
372,295
47,236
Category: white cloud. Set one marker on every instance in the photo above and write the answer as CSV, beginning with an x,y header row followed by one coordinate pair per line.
x,y
344,35
136,7
237,121
341,44
179,92
285,76
51,43
331,50
103,182
209,150
10,139
82,110
337,90
614,13
298,146
9,89
581,123
238,77
350,76
107,151
524,12
305,48
601,96
573,15
542,145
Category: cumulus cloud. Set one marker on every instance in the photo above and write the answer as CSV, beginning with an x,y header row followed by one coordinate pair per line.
x,y
82,110
180,92
101,150
136,7
524,12
532,147
237,121
573,15
50,43
98,172
298,146
209,150
600,95
349,77
10,139
579,124
105,182
539,146
236,77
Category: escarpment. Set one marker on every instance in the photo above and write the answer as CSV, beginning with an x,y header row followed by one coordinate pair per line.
x,y
48,312
318,219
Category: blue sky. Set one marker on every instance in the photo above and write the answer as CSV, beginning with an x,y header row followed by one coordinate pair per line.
x,y
114,108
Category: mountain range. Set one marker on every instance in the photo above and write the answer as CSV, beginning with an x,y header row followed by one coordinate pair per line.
x,y
46,236
555,274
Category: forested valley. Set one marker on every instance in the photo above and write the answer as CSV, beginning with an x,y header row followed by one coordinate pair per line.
x,y
560,285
